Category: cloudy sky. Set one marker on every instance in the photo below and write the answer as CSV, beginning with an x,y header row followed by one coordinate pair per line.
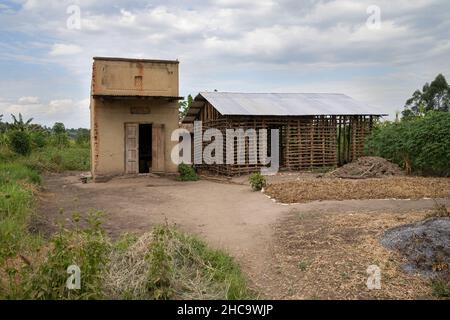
x,y
229,45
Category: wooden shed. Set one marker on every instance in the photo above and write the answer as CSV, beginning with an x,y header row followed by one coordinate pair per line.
x,y
316,129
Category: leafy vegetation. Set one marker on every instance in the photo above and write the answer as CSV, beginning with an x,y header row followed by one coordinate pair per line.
x,y
257,181
187,173
433,97
26,150
17,184
88,249
20,142
419,142
183,106
419,145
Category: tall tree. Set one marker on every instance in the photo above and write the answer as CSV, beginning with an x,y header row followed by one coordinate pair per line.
x,y
433,96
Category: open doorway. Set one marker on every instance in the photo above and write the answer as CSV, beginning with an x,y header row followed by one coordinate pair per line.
x,y
145,148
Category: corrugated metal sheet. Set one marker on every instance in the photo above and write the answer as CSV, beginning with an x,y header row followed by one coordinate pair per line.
x,y
287,104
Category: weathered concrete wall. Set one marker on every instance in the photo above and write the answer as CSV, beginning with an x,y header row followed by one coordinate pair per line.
x,y
108,131
130,91
135,77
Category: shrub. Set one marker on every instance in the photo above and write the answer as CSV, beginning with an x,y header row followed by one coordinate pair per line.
x,y
39,139
420,144
20,142
257,181
187,173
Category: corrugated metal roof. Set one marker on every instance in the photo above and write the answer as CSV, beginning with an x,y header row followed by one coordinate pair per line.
x,y
287,104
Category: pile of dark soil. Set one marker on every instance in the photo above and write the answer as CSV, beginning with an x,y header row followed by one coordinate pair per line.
x,y
367,167
424,244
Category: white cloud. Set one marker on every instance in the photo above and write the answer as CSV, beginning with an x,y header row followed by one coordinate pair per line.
x,y
60,49
28,100
248,45
73,114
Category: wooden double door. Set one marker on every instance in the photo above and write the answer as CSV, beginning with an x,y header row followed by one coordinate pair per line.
x,y
152,139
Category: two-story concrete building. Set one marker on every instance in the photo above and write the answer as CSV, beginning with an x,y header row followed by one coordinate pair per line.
x,y
133,112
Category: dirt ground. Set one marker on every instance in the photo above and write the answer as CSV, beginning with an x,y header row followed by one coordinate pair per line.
x,y
265,237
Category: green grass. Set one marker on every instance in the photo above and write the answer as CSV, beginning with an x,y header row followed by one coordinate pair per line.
x,y
17,172
16,206
441,286
19,179
53,159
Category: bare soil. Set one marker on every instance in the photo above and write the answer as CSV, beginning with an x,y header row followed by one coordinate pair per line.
x,y
268,239
326,256
374,188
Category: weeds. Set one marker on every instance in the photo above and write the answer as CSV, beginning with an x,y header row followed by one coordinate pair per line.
x,y
16,205
167,264
53,159
441,286
439,211
187,173
88,249
257,181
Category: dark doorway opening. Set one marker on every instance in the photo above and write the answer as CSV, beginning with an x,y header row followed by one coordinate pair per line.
x,y
145,148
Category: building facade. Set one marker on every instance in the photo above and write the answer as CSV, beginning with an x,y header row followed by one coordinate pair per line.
x,y
133,111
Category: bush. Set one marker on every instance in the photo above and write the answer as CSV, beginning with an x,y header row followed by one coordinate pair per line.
x,y
187,173
257,181
20,142
420,144
39,139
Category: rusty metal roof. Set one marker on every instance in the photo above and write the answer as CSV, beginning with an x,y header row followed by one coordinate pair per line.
x,y
287,104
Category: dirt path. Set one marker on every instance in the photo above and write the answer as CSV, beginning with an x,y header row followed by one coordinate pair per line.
x,y
228,216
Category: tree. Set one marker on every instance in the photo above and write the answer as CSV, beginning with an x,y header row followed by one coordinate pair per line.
x,y
185,105
3,125
59,135
19,124
59,128
433,96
